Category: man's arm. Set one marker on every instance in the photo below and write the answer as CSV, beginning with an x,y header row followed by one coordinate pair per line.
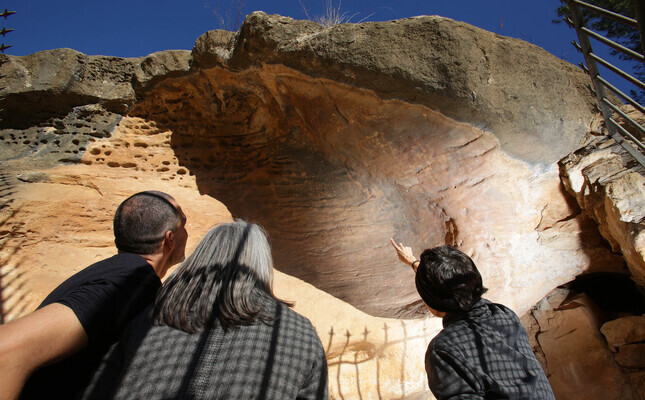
x,y
45,336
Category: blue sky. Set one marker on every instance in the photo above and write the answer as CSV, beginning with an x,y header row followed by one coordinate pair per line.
x,y
134,28
139,27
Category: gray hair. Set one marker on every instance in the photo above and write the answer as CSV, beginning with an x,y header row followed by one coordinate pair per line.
x,y
227,280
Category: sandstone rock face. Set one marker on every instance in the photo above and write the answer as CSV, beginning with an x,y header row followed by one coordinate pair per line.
x,y
159,66
626,338
368,357
528,97
308,141
580,366
334,139
58,221
564,333
631,356
624,330
49,83
331,170
614,196
55,221
212,49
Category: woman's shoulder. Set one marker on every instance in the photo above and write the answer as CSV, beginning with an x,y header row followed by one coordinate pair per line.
x,y
295,320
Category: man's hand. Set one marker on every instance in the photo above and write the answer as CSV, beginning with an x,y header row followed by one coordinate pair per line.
x,y
405,254
47,335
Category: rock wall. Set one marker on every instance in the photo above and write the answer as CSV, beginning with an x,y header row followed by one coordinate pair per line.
x,y
610,186
585,352
332,170
335,139
57,221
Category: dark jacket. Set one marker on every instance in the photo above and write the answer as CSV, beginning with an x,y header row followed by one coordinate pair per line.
x,y
281,359
485,354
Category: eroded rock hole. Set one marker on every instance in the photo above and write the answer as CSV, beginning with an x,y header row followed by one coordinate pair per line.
x,y
591,327
615,294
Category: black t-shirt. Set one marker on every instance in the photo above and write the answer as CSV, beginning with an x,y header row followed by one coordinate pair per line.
x,y
104,296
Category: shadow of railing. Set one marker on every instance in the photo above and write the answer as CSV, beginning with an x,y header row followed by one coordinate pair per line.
x,y
346,356
12,276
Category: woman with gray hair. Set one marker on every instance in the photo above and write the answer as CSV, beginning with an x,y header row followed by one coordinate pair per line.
x,y
217,331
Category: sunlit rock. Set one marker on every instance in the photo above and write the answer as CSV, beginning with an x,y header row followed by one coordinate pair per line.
x,y
580,366
614,196
336,151
335,139
624,330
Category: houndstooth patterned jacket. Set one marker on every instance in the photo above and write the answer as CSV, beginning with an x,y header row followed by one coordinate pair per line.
x,y
282,359
485,354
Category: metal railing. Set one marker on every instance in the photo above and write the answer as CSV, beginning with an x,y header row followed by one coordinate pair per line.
x,y
3,59
4,30
631,142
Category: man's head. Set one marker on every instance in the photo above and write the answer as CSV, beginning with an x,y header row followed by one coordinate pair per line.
x,y
147,221
448,280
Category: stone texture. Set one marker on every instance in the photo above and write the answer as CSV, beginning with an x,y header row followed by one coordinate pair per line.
x,y
580,366
212,49
368,357
159,66
48,84
335,139
550,302
533,330
631,356
553,300
61,139
529,100
333,170
638,383
56,221
613,195
633,114
625,330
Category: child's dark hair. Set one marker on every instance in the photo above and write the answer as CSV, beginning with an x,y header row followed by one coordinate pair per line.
x,y
448,280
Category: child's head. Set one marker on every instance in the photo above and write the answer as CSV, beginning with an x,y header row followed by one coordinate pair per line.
x,y
448,280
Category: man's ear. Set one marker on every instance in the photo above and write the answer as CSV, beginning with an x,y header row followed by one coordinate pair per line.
x,y
169,241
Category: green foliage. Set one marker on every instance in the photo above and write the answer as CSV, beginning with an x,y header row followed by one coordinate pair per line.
x,y
626,35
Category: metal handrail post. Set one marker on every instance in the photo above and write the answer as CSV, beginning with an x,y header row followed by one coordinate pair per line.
x,y
585,44
640,17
